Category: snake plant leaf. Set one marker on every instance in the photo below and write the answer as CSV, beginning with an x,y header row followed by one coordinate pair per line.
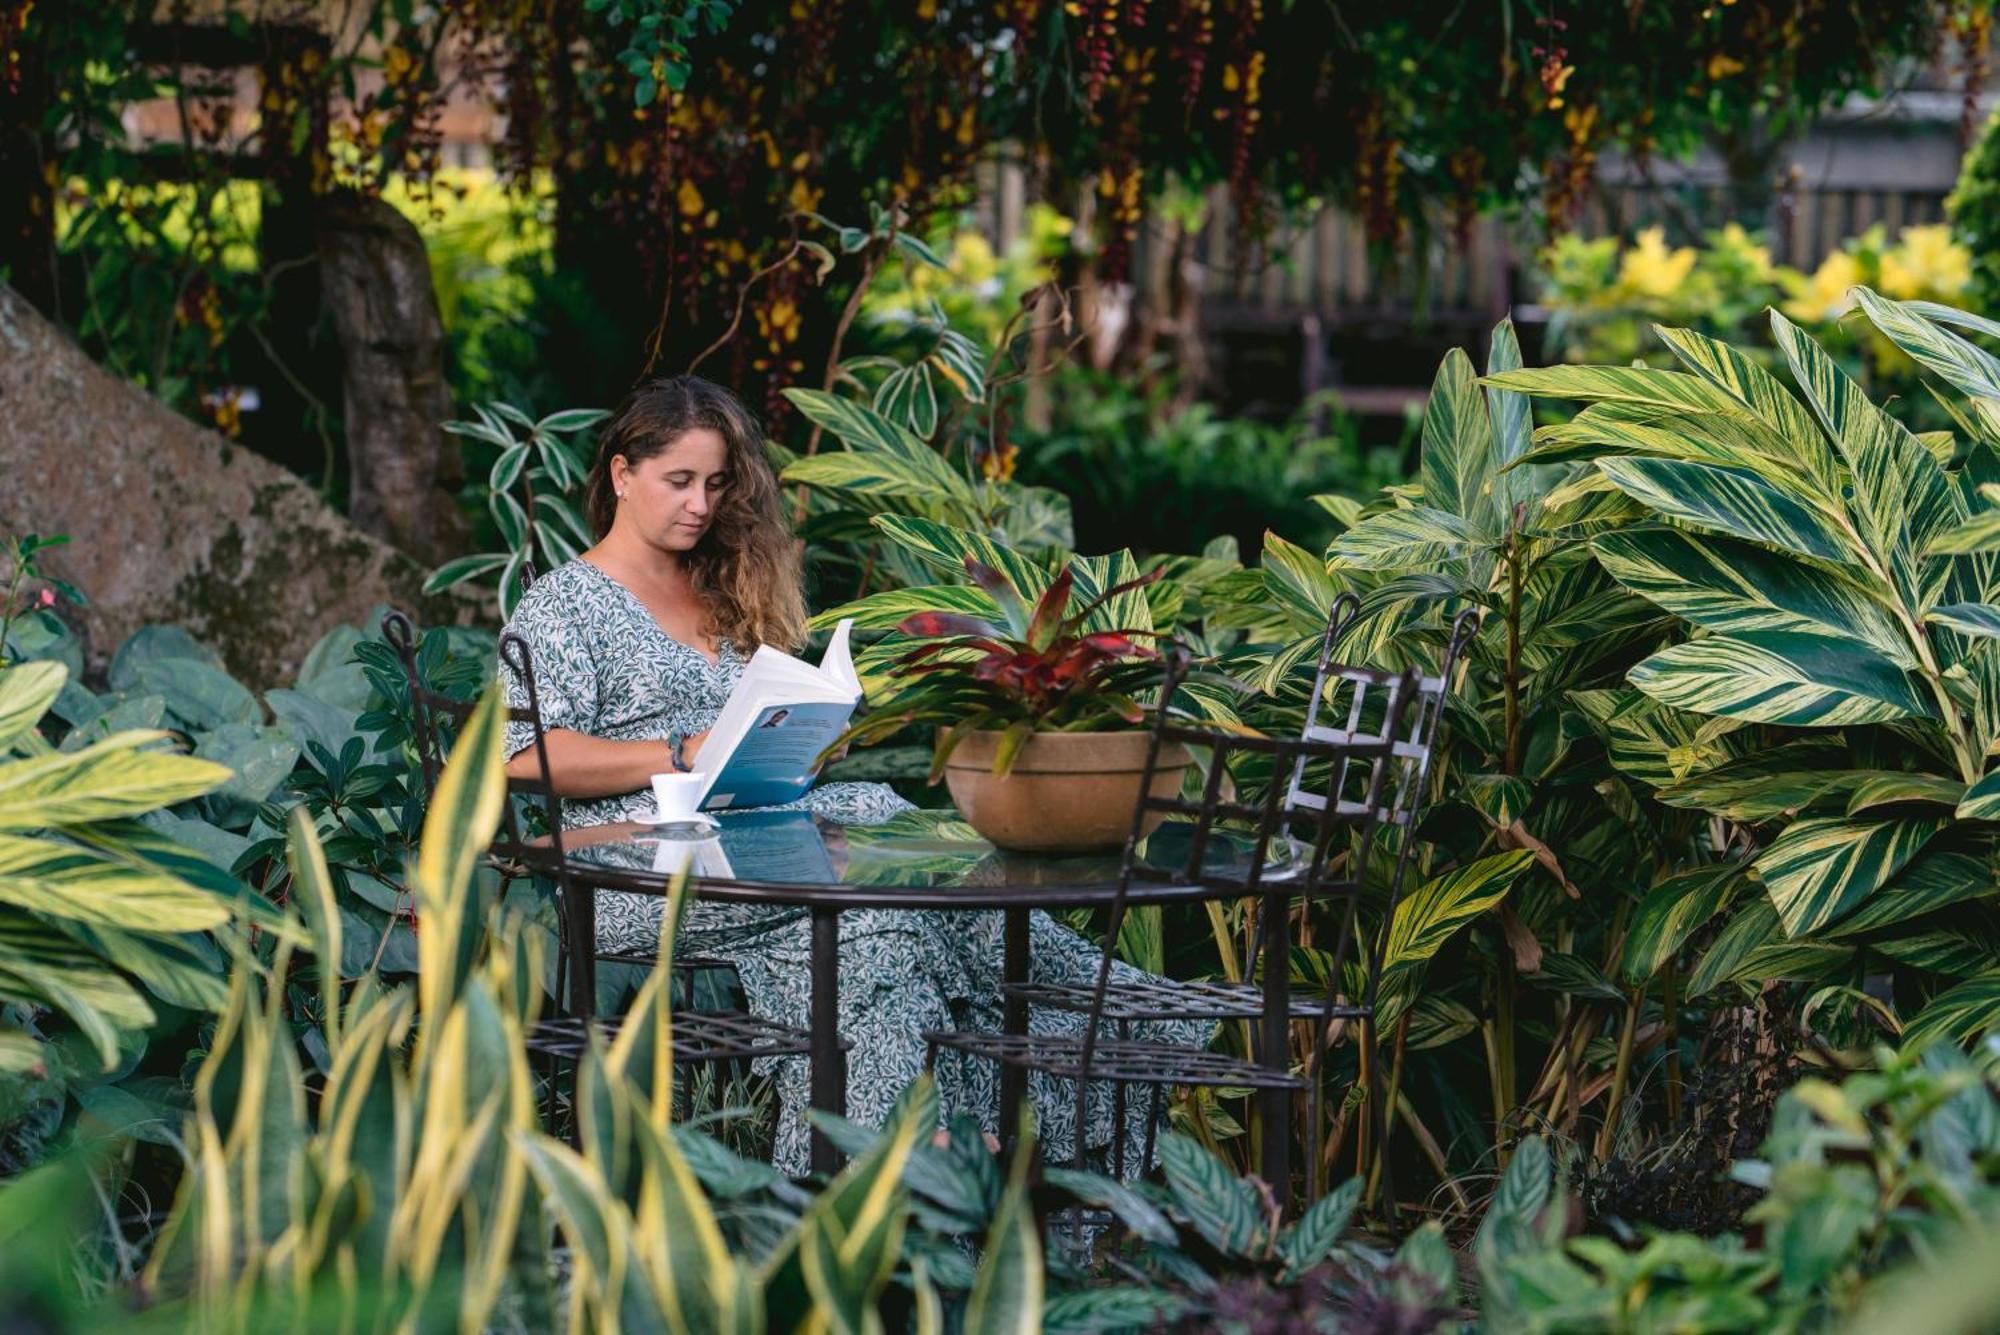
x,y
116,777
1404,539
1008,1292
1823,866
1781,677
459,824
1959,1014
26,692
1731,500
1733,587
1672,911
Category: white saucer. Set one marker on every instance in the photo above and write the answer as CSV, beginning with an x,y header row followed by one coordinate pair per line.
x,y
656,820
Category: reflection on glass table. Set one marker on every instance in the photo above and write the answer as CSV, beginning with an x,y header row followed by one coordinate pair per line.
x,y
916,849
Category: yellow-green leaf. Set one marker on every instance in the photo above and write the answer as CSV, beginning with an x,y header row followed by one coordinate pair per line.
x,y
1823,866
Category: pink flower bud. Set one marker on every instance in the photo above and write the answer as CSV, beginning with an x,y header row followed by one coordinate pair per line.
x,y
46,598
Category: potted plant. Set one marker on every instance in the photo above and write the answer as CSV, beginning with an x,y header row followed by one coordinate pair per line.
x,y
1041,738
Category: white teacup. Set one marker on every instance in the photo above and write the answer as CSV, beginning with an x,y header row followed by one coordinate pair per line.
x,y
678,796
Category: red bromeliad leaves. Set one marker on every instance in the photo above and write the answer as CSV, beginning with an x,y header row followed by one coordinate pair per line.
x,y
932,624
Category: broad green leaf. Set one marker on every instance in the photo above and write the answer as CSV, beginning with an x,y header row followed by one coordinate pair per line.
x,y
1981,619
1458,448
1771,781
65,881
1652,743
1823,866
1403,539
1892,789
891,607
1314,1236
1671,912
1732,500
1960,361
464,568
1734,587
874,473
1754,924
1428,916
1902,496
1222,1207
1752,386
26,692
113,778
1781,677
945,549
1298,581
1935,880
1959,1015
1957,953
1980,533
1674,391
1981,800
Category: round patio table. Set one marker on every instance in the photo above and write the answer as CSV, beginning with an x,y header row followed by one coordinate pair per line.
x,y
916,860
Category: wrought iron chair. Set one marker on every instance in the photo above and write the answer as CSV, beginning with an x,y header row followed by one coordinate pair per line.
x,y
564,1034
1376,766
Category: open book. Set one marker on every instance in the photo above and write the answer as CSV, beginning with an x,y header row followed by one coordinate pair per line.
x,y
765,744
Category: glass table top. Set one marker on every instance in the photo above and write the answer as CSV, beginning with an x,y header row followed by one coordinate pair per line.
x,y
915,851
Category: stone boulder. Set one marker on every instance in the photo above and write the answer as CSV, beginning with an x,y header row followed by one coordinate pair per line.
x,y
172,523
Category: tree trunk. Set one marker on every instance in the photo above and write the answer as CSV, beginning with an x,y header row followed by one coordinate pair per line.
x,y
172,523
376,281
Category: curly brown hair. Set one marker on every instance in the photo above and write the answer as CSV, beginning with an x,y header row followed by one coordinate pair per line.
x,y
746,567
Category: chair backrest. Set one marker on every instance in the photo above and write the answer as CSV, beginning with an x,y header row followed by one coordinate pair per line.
x,y
437,719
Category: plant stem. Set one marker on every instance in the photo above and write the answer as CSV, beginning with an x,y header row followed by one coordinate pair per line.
x,y
1512,680
1502,1054
1389,1122
1621,1074
1670,987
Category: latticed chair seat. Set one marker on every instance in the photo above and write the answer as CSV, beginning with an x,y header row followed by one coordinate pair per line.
x,y
1119,1061
1167,999
698,1036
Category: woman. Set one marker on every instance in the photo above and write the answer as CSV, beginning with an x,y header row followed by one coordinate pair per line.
x,y
636,646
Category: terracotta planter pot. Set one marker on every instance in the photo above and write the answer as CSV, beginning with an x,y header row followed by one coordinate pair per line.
x,y
1069,792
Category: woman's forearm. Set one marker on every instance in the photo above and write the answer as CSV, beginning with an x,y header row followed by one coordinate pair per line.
x,y
584,766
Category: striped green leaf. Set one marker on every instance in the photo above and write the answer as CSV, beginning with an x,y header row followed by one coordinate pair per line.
x,y
41,968
1936,880
1403,539
1980,533
1671,912
1896,788
875,473
1781,781
106,780
1009,1288
1732,500
26,692
1957,952
1959,1014
1297,581
64,881
882,611
1752,386
1094,576
1981,800
1674,391
945,549
1753,925
1781,677
1429,916
1979,619
1222,1206
1823,866
1615,429
1458,447
1652,743
1961,362
1736,587
1902,496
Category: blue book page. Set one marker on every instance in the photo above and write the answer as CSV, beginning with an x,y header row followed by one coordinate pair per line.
x,y
775,761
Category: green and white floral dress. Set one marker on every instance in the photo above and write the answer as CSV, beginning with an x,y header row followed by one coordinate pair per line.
x,y
604,666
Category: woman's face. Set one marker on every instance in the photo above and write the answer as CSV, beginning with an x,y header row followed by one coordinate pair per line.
x,y
671,497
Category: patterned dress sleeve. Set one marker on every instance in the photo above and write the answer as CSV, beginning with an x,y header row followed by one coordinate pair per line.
x,y
565,672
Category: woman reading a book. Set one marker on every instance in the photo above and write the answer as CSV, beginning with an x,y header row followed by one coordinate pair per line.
x,y
636,646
